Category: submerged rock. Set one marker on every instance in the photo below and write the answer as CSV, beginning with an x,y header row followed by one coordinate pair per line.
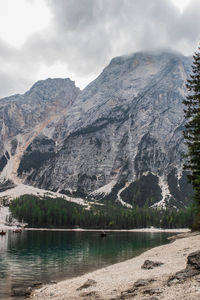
x,y
22,292
18,292
37,283
28,291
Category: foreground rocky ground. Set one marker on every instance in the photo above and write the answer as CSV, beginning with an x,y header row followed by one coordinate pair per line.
x,y
167,272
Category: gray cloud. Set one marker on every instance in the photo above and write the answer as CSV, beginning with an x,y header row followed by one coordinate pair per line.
x,y
85,34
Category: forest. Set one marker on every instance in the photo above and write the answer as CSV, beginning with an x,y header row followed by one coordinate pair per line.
x,y
59,213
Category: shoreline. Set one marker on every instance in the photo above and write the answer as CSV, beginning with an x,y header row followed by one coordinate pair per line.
x,y
111,281
4,227
152,229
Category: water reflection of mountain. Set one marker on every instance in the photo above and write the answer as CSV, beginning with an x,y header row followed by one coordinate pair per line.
x,y
3,243
4,268
4,213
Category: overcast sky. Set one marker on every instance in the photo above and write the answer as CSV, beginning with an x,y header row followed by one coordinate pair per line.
x,y
78,38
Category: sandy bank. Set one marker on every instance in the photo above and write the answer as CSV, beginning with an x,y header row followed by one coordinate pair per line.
x,y
112,280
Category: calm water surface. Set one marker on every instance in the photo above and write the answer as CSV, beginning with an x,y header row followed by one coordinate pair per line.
x,y
53,255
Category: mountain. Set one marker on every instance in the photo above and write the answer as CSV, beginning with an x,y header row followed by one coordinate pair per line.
x,y
25,119
120,138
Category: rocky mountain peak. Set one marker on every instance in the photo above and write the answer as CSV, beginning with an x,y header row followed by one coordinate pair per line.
x,y
120,138
27,118
53,88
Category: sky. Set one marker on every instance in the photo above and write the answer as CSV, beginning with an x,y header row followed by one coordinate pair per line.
x,y
76,39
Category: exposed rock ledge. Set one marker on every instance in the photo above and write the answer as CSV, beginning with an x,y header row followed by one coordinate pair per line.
x,y
127,280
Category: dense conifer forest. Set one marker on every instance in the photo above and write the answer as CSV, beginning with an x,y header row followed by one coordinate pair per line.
x,y
59,213
192,133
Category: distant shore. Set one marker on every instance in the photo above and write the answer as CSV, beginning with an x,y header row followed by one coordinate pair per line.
x,y
118,280
151,229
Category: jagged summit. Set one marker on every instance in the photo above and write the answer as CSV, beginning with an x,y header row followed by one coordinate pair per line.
x,y
120,138
50,89
50,86
136,66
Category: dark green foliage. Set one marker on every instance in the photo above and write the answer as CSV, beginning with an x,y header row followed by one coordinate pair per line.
x,y
59,213
74,194
143,191
192,133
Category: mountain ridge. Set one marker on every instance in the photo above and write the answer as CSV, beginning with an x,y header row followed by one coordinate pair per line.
x,y
119,135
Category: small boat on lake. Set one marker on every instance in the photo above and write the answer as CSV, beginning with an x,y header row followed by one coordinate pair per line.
x,y
2,232
103,234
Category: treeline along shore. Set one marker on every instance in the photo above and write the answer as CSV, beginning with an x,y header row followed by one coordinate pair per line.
x,y
59,213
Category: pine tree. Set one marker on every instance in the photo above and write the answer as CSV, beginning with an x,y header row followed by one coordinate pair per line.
x,y
192,132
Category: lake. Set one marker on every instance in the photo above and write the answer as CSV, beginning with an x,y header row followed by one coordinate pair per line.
x,y
54,255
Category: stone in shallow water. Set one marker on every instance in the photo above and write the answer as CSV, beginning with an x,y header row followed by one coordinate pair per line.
x,y
18,292
28,291
37,283
21,292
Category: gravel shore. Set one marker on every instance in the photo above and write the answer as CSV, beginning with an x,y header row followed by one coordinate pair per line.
x,y
127,280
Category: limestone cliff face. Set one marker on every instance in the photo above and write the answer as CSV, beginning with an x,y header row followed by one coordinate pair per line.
x,y
121,137
23,118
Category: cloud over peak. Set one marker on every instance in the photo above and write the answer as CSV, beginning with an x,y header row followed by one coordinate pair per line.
x,y
84,35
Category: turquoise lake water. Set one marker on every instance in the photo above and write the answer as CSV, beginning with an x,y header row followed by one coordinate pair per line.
x,y
54,255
